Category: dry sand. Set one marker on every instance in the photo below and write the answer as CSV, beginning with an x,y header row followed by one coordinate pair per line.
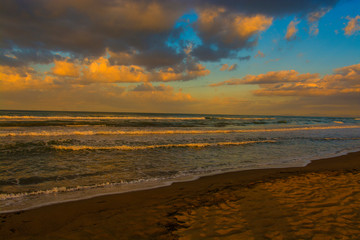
x,y
319,201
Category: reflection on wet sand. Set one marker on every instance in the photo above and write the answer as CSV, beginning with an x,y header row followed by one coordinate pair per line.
x,y
309,206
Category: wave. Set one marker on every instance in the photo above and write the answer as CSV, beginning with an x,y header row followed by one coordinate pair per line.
x,y
44,118
118,132
182,145
6,196
240,118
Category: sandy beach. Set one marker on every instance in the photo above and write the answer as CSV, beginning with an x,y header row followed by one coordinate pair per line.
x,y
318,201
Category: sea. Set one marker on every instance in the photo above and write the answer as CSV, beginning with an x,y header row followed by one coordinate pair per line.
x,y
48,157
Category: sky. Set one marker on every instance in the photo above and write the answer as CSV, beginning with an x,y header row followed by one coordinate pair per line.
x,y
258,57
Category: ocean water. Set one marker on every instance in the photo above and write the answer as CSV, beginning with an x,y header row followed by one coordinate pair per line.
x,y
48,157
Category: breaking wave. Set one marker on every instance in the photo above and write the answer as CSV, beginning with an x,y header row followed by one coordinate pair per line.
x,y
6,196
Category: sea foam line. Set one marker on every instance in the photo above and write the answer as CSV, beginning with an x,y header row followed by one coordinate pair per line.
x,y
67,133
6,196
43,118
181,145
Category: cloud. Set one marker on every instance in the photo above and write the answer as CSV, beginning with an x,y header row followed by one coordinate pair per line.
x,y
344,81
291,30
149,87
100,70
65,69
275,7
92,71
224,67
172,74
136,32
353,25
20,78
259,54
269,78
222,32
24,88
101,97
150,59
313,20
92,25
233,67
26,56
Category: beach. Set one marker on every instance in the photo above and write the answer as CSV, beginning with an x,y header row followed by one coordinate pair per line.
x,y
318,201
179,119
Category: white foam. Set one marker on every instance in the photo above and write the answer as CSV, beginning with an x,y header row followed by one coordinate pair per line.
x,y
6,196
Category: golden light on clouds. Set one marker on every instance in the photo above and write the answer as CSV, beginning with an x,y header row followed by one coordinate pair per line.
x,y
353,25
291,30
292,83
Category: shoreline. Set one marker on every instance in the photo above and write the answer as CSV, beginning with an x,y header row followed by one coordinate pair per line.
x,y
154,213
92,192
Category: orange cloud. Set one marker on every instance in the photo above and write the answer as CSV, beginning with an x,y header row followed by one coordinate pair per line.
x,y
18,78
94,71
233,67
344,80
291,30
270,77
352,26
100,70
93,85
170,74
224,67
250,25
27,91
65,69
229,28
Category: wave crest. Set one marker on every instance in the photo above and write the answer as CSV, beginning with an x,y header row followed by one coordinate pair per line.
x,y
181,145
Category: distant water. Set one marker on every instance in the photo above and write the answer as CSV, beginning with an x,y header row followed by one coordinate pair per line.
x,y
48,157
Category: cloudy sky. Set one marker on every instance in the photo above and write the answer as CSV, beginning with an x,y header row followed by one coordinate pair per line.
x,y
274,57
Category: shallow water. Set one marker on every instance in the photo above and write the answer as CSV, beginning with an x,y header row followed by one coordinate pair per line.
x,y
49,157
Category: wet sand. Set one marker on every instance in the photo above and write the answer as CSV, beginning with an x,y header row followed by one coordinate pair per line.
x,y
319,201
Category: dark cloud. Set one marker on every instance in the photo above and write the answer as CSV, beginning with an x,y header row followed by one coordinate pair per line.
x,y
88,28
26,56
152,58
273,7
206,53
